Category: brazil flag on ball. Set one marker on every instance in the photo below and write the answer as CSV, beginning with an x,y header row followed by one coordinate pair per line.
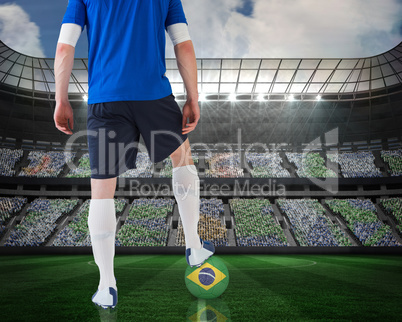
x,y
209,280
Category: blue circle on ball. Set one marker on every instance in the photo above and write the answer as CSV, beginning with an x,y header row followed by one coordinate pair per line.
x,y
206,276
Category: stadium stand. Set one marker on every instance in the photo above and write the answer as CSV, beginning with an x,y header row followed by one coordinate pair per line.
x,y
355,103
9,207
255,224
46,164
76,233
361,218
82,170
210,225
310,165
144,167
393,207
394,160
310,225
146,223
8,160
223,165
39,222
167,170
356,164
266,165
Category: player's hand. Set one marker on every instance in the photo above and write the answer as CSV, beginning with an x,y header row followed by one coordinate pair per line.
x,y
63,117
191,115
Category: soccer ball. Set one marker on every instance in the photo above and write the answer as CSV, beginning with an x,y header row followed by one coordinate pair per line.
x,y
209,280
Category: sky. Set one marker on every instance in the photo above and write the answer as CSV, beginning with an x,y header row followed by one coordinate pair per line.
x,y
236,28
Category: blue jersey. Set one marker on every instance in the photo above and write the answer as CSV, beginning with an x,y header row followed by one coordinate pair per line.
x,y
126,41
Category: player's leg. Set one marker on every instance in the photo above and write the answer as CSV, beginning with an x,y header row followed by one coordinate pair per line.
x,y
186,189
160,123
102,228
108,130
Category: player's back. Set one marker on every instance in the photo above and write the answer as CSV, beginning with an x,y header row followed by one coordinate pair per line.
x,y
127,47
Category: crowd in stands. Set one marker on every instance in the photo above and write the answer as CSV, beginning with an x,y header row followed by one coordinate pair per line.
x,y
266,165
146,223
210,225
82,170
46,164
361,218
76,233
310,165
223,165
356,164
394,160
167,170
39,222
144,167
8,208
255,224
310,225
393,207
8,160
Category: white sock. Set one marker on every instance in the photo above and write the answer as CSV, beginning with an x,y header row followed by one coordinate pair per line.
x,y
102,228
186,189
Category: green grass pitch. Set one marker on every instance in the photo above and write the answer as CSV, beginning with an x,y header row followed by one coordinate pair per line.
x,y
152,288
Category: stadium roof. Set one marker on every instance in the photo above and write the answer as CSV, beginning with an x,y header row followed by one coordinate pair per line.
x,y
361,98
249,79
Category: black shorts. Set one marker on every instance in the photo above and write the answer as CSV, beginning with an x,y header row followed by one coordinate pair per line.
x,y
114,130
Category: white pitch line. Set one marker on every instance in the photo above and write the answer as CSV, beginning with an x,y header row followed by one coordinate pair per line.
x,y
284,266
92,263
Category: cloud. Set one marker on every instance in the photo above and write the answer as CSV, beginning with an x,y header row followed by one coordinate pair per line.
x,y
293,29
18,32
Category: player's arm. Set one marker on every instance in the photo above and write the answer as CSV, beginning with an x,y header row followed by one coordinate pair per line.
x,y
186,62
63,65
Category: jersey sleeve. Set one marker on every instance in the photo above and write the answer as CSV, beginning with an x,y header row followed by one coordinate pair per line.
x,y
69,34
175,13
75,13
178,33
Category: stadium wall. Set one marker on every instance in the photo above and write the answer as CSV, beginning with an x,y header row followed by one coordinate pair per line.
x,y
210,187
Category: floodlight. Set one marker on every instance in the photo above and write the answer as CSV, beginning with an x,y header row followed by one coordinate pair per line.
x,y
232,97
